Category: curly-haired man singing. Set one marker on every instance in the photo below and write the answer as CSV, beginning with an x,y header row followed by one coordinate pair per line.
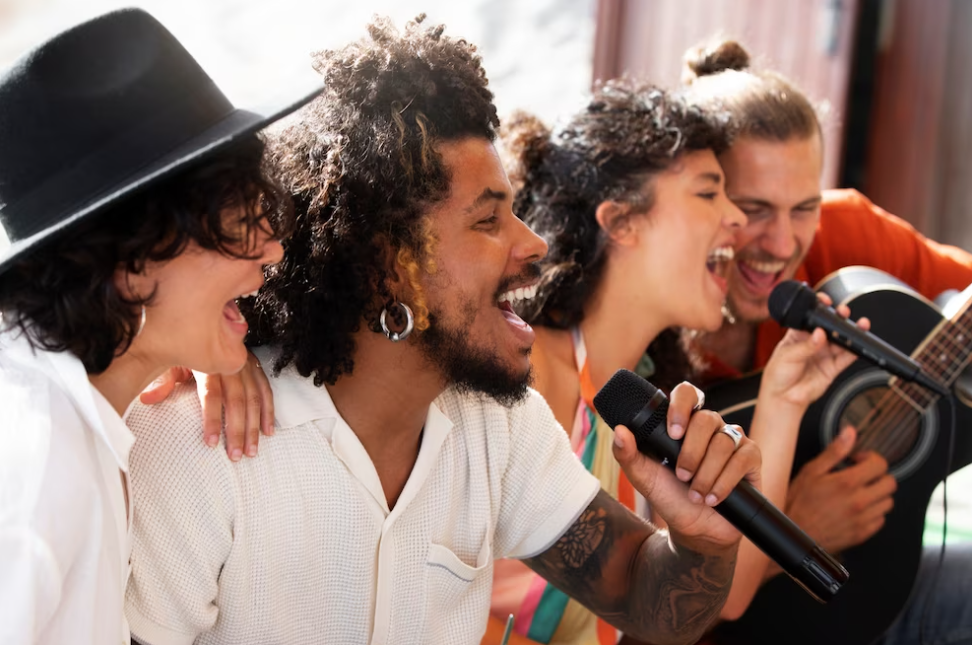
x,y
409,452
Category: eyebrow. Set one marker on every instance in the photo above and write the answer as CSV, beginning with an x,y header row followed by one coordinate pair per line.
x,y
487,195
809,201
714,177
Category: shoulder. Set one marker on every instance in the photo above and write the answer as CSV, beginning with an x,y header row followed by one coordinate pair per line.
x,y
169,448
34,410
846,206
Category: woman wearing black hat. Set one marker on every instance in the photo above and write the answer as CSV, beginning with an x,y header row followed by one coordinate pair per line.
x,y
137,213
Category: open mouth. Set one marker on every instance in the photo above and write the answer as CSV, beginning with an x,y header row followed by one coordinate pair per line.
x,y
761,275
717,262
507,299
231,310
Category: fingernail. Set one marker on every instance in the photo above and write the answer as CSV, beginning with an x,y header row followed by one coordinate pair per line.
x,y
237,454
710,500
695,497
683,474
251,451
268,430
617,441
676,431
211,441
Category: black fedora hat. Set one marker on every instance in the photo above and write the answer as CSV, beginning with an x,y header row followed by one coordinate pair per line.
x,y
100,111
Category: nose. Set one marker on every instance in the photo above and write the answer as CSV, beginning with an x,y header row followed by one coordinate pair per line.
x,y
272,251
733,217
778,237
527,246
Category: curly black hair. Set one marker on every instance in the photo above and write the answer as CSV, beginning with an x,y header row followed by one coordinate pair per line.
x,y
63,295
628,132
362,166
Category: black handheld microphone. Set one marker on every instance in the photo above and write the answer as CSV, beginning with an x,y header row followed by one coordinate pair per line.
x,y
630,400
794,304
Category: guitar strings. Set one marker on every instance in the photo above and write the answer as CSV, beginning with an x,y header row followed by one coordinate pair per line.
x,y
884,428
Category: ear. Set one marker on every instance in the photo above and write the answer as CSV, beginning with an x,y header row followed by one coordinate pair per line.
x,y
130,285
614,218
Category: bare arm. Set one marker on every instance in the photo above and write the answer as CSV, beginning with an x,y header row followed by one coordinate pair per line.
x,y
639,579
801,369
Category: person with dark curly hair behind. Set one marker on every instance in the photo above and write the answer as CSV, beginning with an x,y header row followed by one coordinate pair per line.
x,y
797,231
409,451
630,198
136,210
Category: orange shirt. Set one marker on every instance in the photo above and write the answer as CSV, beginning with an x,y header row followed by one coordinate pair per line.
x,y
853,231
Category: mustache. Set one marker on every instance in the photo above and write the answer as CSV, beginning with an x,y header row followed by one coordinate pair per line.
x,y
762,256
529,273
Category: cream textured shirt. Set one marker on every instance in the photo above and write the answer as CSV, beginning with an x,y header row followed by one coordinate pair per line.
x,y
298,545
64,540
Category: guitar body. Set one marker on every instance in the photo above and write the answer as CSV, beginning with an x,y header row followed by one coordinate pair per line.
x,y
883,569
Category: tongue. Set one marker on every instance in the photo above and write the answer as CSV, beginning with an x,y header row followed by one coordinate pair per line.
x,y
756,278
511,316
232,312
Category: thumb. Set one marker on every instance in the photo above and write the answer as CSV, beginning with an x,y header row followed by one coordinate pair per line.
x,y
625,449
160,389
838,450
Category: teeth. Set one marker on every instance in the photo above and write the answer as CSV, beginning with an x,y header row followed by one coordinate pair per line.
x,y
250,295
522,293
765,267
721,254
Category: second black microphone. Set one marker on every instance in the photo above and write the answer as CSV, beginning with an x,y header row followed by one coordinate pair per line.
x,y
633,402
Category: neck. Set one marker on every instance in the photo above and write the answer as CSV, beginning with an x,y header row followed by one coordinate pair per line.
x,y
615,338
387,397
127,375
733,344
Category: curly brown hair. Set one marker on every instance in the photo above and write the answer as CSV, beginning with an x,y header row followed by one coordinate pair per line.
x,y
608,151
362,165
63,297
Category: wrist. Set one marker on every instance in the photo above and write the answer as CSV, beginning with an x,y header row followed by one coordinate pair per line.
x,y
703,545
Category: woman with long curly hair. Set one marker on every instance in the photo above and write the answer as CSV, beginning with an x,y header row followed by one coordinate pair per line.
x,y
630,198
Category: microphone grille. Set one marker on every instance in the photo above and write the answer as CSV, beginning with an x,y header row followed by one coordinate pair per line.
x,y
789,303
622,397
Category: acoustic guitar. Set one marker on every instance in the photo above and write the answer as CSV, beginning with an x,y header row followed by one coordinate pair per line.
x,y
907,424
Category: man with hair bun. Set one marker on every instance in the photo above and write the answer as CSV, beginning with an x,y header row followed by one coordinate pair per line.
x,y
409,452
795,230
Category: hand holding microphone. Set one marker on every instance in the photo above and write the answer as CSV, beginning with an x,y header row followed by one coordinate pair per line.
x,y
793,304
629,400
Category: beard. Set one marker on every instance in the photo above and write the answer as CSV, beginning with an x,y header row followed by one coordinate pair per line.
x,y
468,368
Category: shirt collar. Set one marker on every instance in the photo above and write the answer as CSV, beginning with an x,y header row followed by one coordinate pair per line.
x,y
297,401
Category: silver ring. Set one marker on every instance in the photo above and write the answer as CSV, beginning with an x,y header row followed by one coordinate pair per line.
x,y
734,432
701,396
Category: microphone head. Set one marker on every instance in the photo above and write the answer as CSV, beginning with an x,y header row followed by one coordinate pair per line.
x,y
622,397
789,303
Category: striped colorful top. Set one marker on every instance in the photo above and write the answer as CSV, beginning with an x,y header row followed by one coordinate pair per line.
x,y
544,613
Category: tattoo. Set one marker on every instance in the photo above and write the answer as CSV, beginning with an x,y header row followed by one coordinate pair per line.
x,y
628,573
581,541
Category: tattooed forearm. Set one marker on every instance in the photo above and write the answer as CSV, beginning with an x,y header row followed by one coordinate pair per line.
x,y
630,575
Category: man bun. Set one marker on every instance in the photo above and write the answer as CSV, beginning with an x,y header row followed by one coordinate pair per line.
x,y
713,57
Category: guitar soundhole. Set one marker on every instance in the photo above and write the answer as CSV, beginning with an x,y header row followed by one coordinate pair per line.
x,y
885,422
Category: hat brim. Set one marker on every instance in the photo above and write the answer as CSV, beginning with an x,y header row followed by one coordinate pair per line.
x,y
236,125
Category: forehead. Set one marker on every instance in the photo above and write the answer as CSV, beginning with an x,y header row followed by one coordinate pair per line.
x,y
777,171
473,166
692,167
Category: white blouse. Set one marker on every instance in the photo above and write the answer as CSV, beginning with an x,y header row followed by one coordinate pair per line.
x,y
64,533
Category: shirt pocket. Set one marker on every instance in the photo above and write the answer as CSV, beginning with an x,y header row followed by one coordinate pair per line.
x,y
450,579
